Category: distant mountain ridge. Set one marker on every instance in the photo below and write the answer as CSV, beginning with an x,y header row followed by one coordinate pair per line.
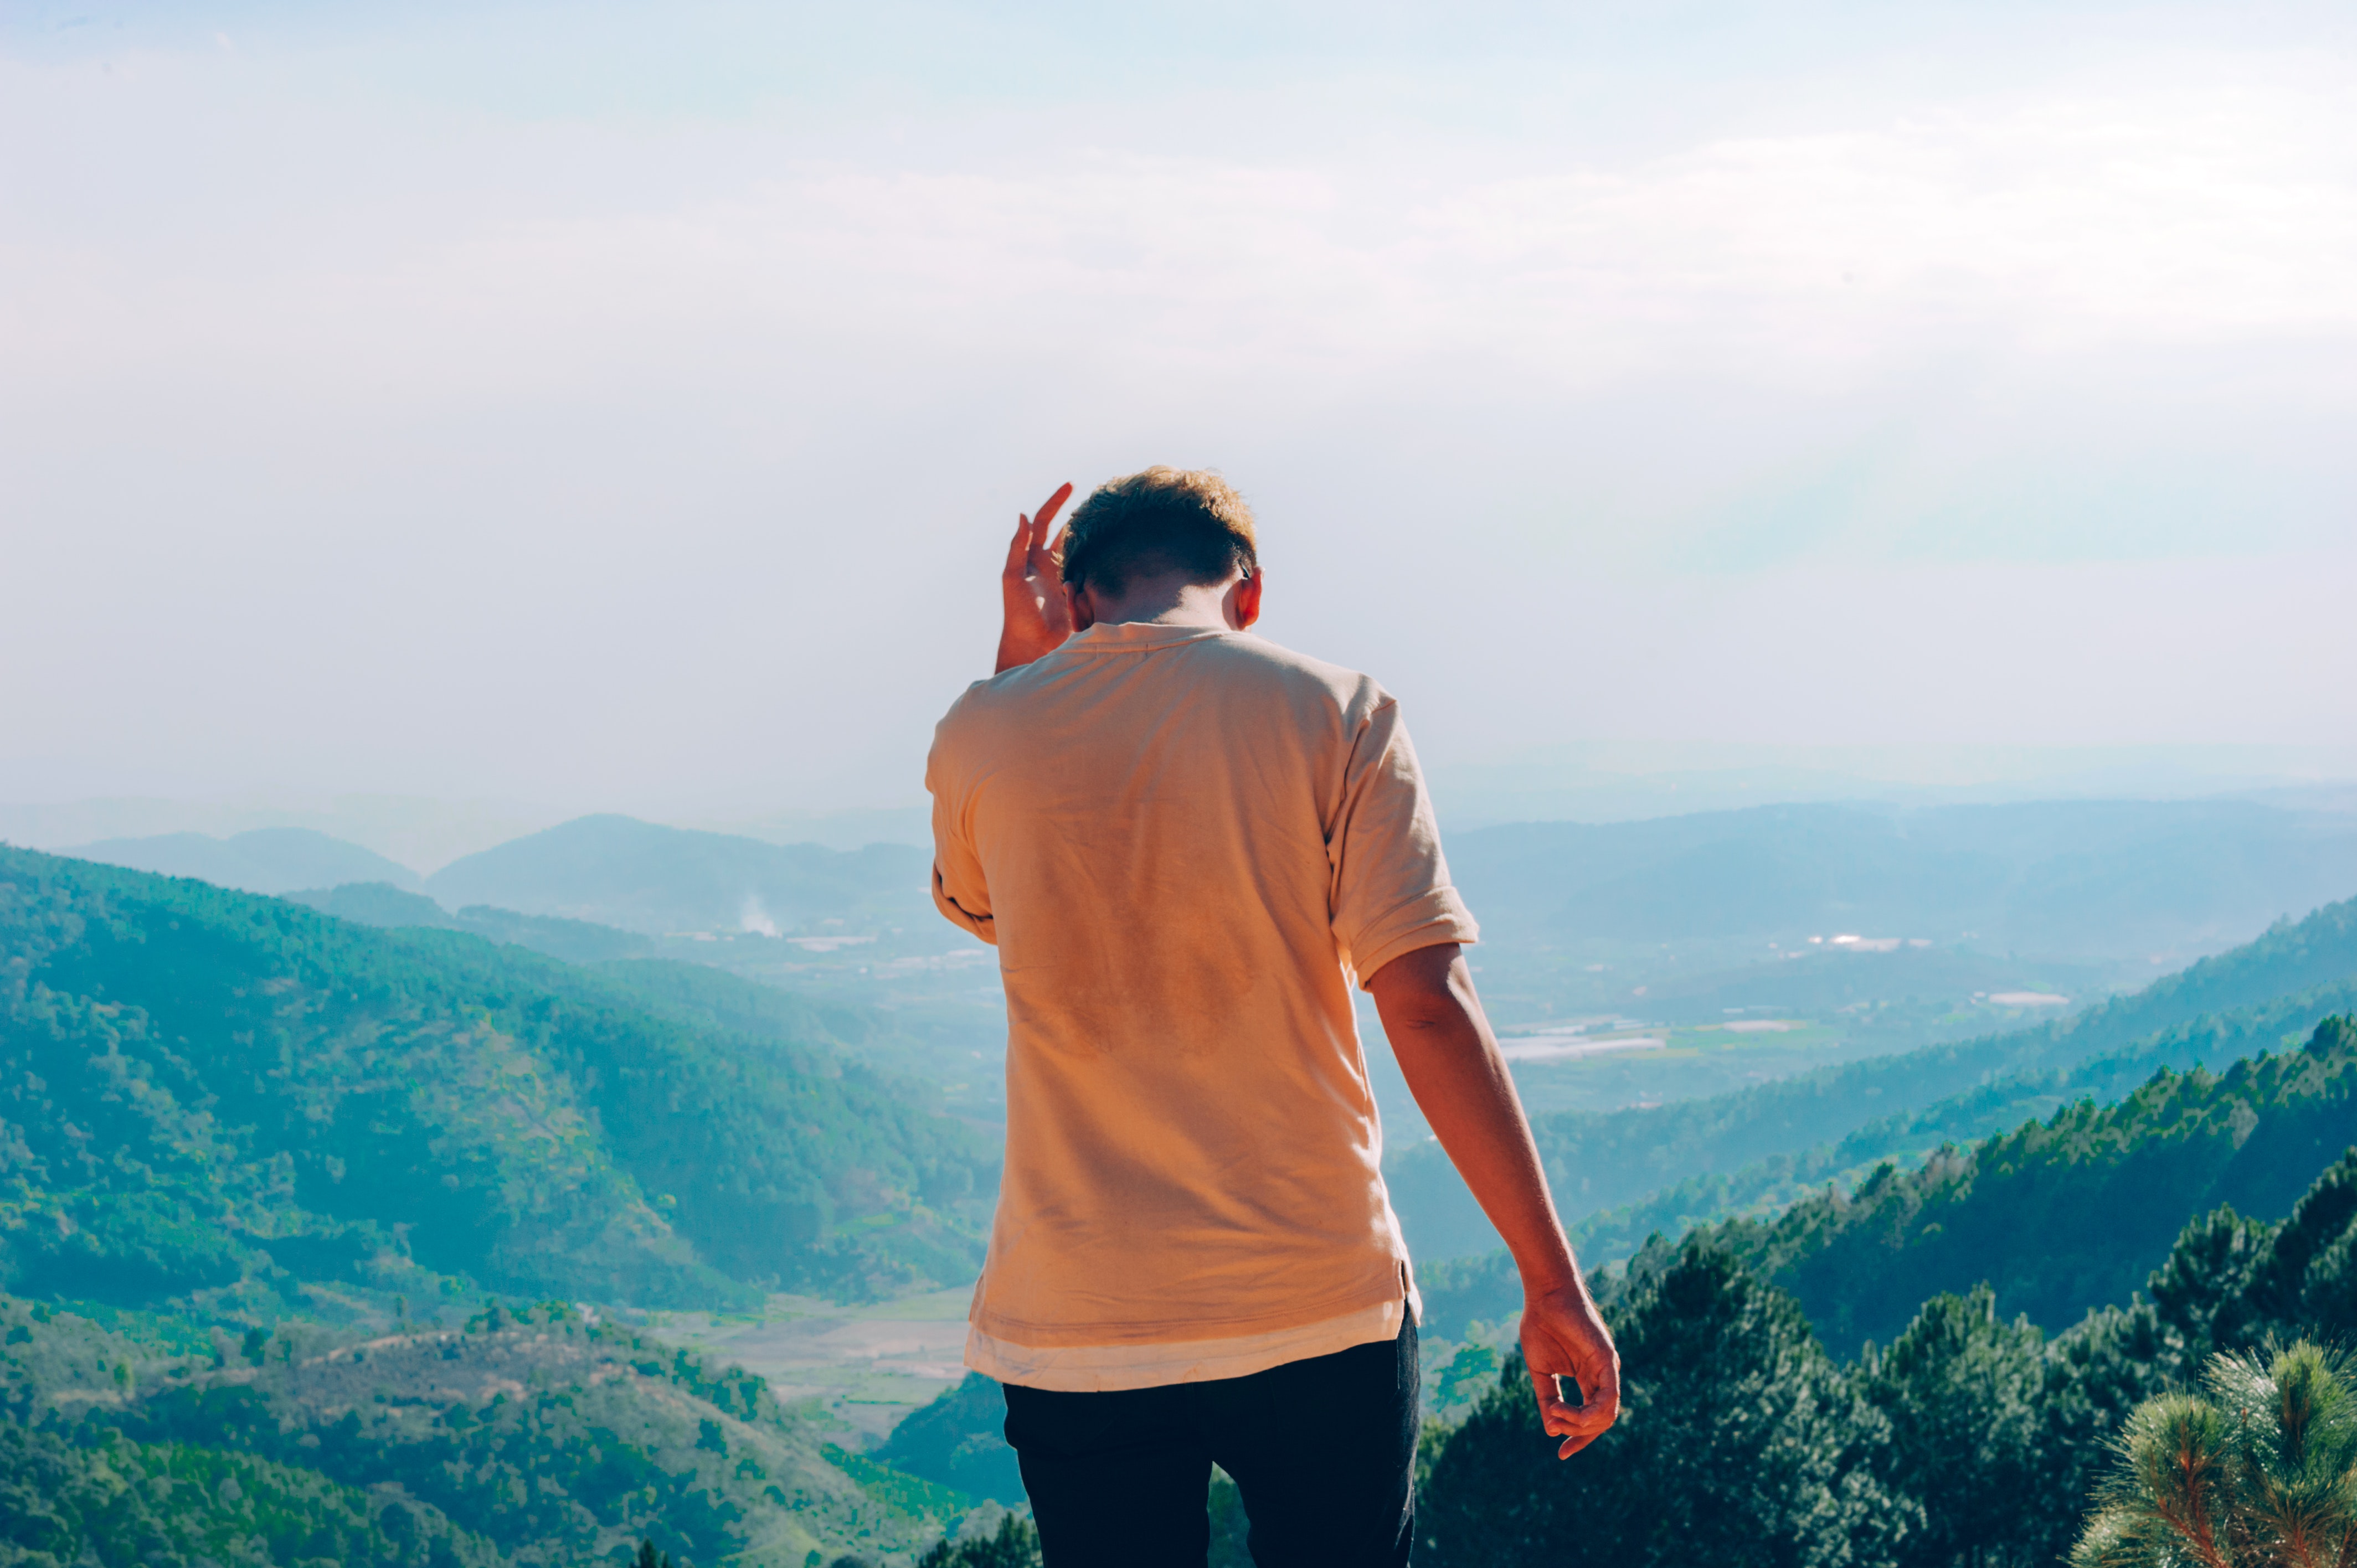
x,y
2064,877
640,876
264,860
382,905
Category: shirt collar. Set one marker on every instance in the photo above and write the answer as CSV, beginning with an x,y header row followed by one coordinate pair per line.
x,y
1129,636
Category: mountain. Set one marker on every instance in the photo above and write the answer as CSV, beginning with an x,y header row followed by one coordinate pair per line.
x,y
617,870
958,1441
1602,1161
381,903
2065,878
267,860
213,1097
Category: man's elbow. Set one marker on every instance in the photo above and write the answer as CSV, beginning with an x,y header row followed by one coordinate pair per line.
x,y
1426,1015
1419,984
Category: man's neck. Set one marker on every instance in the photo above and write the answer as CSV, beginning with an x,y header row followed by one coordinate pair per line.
x,y
1167,604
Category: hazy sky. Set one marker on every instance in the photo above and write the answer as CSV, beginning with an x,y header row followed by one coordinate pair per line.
x,y
626,405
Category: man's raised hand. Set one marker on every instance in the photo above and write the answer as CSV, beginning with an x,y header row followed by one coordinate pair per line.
x,y
1563,1335
1037,620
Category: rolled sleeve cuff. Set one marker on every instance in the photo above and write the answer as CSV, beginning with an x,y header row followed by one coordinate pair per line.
x,y
982,926
1425,921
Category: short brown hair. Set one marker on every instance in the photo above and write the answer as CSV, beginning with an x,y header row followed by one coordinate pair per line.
x,y
1164,520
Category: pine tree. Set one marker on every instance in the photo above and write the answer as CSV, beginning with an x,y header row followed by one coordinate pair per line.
x,y
2262,1470
1739,1445
1960,1388
1017,1545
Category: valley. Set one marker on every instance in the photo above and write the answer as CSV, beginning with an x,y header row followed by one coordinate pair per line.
x,y
630,1145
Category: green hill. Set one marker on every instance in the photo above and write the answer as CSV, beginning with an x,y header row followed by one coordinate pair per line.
x,y
617,870
2062,1216
267,860
1603,1161
210,1096
1994,1107
958,1440
176,1505
543,1438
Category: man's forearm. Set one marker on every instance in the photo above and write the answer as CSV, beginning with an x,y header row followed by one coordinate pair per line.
x,y
1460,1080
1453,1065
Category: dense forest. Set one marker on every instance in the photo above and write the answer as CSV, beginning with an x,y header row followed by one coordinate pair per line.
x,y
1968,1437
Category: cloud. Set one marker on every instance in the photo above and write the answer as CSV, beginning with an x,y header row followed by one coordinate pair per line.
x,y
471,438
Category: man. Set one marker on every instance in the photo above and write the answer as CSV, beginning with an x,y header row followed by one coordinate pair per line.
x,y
1187,842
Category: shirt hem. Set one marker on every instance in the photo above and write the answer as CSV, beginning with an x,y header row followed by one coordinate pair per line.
x,y
1107,1369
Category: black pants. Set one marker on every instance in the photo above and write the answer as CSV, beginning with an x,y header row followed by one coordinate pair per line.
x,y
1322,1450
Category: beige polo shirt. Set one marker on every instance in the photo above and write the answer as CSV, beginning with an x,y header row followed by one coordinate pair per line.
x,y
1187,844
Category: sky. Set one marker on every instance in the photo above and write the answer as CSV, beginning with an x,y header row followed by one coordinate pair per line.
x,y
625,406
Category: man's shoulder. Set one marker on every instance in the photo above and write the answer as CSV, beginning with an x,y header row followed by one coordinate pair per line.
x,y
1353,694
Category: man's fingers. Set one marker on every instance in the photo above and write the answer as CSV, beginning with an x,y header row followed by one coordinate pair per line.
x,y
1578,1424
1019,550
1028,552
1042,553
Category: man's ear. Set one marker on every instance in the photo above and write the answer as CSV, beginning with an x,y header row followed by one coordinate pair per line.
x,y
1082,608
1243,604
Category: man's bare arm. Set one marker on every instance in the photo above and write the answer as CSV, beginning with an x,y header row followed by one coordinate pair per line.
x,y
1453,1066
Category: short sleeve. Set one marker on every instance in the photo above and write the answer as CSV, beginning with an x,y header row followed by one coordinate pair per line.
x,y
1390,889
960,892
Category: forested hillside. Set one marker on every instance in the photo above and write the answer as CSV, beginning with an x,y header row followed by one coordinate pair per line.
x,y
1600,1161
2076,1121
539,1438
1996,1106
1967,1439
212,1095
2064,1214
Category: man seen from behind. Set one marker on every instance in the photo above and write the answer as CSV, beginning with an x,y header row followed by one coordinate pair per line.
x,y
1187,844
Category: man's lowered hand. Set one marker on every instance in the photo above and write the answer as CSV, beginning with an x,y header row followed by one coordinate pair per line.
x,y
1563,1337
